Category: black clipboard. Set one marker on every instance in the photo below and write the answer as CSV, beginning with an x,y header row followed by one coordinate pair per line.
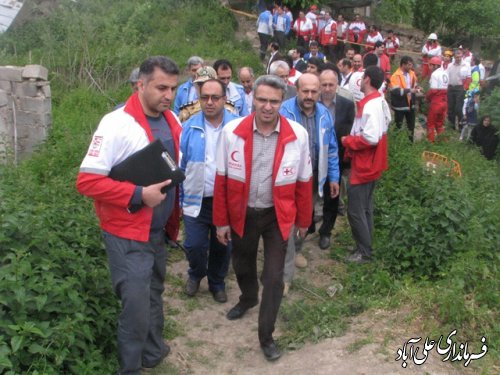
x,y
148,166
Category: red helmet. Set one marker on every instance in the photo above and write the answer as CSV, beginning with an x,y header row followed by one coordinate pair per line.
x,y
436,60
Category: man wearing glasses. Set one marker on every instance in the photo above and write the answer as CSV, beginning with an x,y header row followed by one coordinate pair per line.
x,y
206,256
262,189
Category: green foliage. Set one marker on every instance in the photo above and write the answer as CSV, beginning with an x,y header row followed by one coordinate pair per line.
x,y
424,218
489,106
458,19
97,43
299,4
395,11
57,310
436,249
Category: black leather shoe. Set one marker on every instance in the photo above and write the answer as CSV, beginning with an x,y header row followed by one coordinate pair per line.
x,y
192,287
220,296
150,368
324,242
237,312
271,351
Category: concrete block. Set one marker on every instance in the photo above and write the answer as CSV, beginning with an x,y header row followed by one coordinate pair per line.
x,y
11,73
25,89
5,85
24,118
40,105
6,115
28,139
36,72
46,91
4,98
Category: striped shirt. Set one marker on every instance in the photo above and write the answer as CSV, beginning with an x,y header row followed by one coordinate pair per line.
x,y
261,180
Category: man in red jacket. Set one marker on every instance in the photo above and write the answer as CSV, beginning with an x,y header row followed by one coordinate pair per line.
x,y
133,218
263,188
366,146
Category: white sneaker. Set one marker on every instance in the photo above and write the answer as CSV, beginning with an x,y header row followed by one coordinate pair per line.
x,y
300,261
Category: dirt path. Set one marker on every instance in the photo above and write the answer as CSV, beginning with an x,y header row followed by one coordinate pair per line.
x,y
208,343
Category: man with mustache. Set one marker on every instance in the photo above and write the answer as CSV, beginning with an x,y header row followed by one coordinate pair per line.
x,y
319,123
133,218
206,256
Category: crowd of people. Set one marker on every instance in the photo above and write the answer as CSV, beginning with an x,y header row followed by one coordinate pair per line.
x,y
455,76
258,156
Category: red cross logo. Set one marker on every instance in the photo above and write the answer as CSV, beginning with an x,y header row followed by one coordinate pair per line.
x,y
288,171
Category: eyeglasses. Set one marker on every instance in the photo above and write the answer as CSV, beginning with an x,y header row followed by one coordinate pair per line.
x,y
214,98
271,102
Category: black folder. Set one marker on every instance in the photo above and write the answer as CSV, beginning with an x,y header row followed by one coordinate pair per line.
x,y
149,166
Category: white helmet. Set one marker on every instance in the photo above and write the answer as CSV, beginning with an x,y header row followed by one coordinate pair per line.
x,y
432,36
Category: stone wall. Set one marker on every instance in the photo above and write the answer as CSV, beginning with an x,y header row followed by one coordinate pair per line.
x,y
25,110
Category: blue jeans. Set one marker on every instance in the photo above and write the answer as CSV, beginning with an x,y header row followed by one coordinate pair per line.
x,y
205,254
138,272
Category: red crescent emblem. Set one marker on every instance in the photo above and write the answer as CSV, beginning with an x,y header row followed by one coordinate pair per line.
x,y
233,155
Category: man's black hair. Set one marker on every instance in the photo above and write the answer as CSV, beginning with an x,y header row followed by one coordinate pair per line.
x,y
330,66
222,63
405,60
370,59
301,51
166,65
222,85
346,61
376,76
316,61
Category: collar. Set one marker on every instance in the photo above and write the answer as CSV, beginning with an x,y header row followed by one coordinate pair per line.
x,y
365,100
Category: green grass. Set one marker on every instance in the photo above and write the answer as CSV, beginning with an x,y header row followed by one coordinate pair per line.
x,y
452,292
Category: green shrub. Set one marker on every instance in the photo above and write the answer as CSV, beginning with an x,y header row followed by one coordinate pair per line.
x,y
97,43
57,310
489,106
425,218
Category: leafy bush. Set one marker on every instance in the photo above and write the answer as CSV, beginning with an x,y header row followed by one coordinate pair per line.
x,y
436,249
489,106
425,219
97,43
57,310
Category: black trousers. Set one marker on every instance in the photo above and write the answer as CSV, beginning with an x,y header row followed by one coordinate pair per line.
x,y
264,42
330,211
456,95
301,42
279,37
399,116
260,223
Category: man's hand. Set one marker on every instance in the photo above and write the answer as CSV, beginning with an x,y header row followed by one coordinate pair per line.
x,y
224,234
334,189
152,195
302,232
